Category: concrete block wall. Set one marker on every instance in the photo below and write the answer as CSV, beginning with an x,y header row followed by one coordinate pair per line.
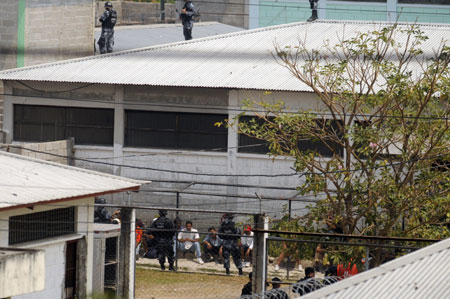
x,y
231,12
58,30
231,162
130,12
61,148
2,91
8,33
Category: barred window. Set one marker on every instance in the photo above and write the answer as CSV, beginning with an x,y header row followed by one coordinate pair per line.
x,y
45,123
175,130
253,145
41,225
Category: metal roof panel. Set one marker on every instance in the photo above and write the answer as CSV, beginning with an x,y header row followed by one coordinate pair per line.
x,y
25,180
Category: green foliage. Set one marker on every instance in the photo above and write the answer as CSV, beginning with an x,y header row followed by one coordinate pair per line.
x,y
386,124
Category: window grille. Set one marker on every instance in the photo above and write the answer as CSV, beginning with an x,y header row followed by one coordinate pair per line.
x,y
261,147
175,130
45,123
41,225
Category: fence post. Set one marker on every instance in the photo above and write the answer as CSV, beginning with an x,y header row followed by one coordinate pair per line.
x,y
259,255
127,253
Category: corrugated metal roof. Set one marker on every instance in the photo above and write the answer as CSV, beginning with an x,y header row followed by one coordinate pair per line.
x,y
241,60
424,273
25,181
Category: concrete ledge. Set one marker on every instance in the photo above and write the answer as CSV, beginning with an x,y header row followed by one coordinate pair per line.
x,y
22,271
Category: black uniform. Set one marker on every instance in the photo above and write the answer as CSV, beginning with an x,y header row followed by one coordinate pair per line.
x,y
106,41
163,231
186,19
230,244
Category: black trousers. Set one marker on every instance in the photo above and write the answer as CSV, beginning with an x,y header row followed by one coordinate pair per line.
x,y
165,248
214,251
232,249
187,30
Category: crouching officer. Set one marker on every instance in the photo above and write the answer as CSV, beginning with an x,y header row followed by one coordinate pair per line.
x,y
163,232
186,19
108,20
230,235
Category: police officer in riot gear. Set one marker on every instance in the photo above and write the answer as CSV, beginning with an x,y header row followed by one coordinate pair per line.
x,y
313,4
163,232
108,20
230,235
186,19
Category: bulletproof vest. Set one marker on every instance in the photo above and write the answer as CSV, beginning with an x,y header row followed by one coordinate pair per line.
x,y
111,21
227,227
163,223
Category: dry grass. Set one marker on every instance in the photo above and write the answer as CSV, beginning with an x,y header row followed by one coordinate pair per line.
x,y
152,283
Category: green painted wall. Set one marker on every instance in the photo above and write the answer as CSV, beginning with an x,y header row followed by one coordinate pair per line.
x,y
424,14
356,12
275,13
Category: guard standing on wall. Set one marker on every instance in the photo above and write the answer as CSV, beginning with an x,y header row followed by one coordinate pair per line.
x,y
230,235
313,4
108,20
163,232
186,15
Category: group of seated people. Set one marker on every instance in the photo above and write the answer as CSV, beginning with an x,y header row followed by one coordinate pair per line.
x,y
187,239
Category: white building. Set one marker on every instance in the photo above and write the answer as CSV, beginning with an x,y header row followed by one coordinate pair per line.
x,y
49,207
149,113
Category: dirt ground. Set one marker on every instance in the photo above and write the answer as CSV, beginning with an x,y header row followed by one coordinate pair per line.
x,y
152,283
196,280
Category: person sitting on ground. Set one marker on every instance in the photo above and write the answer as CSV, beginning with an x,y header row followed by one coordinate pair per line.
x,y
178,228
189,239
330,275
211,246
149,244
116,217
139,233
288,250
246,245
276,292
247,289
302,286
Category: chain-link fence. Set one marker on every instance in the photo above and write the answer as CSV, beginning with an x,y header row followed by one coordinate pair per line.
x,y
220,254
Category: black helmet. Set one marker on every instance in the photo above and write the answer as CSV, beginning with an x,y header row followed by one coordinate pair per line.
x,y
100,200
162,213
108,4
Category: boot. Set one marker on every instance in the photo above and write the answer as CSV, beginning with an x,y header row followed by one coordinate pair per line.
x,y
163,267
227,270
171,268
313,16
240,272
